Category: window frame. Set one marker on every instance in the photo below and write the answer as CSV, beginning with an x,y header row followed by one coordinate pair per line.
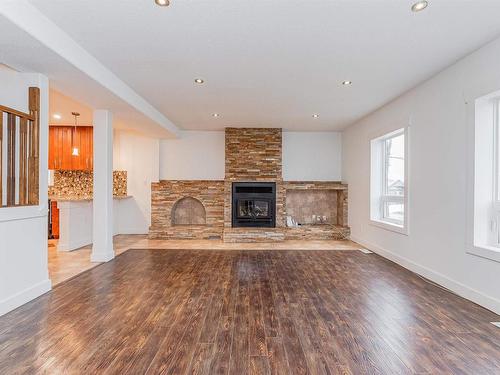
x,y
385,197
378,215
483,168
495,217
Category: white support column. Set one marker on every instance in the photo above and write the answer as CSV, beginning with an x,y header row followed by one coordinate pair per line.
x,y
102,248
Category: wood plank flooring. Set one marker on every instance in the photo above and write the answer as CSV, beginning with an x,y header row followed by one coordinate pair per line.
x,y
64,265
249,312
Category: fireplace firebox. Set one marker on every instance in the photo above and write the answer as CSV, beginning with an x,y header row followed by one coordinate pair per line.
x,y
254,204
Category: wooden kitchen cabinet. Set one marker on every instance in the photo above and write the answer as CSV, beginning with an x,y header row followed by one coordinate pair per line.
x,y
62,139
54,219
86,158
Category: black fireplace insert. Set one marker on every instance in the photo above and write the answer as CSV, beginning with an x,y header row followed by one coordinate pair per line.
x,y
254,204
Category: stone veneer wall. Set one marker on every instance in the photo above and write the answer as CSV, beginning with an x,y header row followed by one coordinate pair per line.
x,y
310,206
80,184
253,154
340,188
337,231
165,194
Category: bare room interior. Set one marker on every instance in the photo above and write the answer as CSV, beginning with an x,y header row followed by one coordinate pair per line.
x,y
249,187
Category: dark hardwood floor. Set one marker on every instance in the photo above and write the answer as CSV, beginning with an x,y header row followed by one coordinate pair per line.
x,y
257,312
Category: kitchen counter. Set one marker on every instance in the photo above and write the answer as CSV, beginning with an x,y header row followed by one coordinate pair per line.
x,y
83,199
75,221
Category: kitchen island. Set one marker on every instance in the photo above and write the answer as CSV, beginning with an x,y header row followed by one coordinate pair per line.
x,y
75,221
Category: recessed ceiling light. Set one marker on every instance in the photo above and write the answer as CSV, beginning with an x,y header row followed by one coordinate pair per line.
x,y
57,116
215,115
315,115
162,3
347,83
199,81
419,5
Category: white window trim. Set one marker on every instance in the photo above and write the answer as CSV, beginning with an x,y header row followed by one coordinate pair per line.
x,y
485,251
388,224
496,172
480,248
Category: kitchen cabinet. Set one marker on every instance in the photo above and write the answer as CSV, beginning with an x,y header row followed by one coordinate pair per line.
x,y
54,219
62,139
86,159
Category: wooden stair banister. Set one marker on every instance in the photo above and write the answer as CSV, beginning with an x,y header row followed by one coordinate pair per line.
x,y
34,146
22,181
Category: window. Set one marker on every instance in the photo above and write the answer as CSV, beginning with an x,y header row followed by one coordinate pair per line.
x,y
484,220
495,212
495,216
388,180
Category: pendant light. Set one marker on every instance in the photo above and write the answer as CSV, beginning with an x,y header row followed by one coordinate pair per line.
x,y
75,151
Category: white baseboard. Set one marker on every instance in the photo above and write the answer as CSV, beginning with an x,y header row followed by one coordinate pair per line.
x,y
24,296
75,245
101,257
462,290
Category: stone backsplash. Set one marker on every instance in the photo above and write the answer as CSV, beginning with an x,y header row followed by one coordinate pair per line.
x,y
119,183
79,184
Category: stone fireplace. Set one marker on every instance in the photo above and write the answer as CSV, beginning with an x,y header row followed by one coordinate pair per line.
x,y
253,155
253,202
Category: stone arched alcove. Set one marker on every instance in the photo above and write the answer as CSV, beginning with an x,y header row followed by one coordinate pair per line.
x,y
188,211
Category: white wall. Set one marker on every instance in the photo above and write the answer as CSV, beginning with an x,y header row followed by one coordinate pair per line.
x,y
311,156
23,230
441,114
139,156
195,155
199,155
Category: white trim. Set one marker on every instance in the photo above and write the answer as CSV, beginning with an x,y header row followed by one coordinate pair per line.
x,y
22,213
496,176
391,134
462,290
101,257
390,226
24,296
73,245
482,215
496,155
485,251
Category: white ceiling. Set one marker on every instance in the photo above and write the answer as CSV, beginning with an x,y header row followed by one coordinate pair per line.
x,y
30,42
274,63
63,105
